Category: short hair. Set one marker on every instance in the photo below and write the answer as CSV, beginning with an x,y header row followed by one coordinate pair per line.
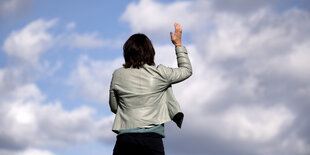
x,y
138,50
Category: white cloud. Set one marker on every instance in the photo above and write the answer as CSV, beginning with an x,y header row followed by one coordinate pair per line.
x,y
256,124
35,152
30,42
152,17
30,122
87,40
247,7
242,6
24,48
299,63
103,129
29,151
165,54
204,77
9,79
256,36
92,78
27,121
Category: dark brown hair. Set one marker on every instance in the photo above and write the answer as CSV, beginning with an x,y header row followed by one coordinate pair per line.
x,y
138,50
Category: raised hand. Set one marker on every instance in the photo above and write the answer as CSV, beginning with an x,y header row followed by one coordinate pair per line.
x,y
176,38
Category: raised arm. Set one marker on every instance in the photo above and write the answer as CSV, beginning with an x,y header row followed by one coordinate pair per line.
x,y
184,70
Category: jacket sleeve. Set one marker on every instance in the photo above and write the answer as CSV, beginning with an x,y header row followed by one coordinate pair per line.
x,y
184,70
113,97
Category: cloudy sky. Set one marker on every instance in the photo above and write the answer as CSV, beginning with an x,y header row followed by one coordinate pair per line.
x,y
249,94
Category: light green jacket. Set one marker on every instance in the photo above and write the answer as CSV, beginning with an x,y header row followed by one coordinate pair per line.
x,y
143,97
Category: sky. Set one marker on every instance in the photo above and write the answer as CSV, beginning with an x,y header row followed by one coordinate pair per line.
x,y
249,93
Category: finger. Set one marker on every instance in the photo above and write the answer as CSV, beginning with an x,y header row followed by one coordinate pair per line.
x,y
175,26
178,27
171,35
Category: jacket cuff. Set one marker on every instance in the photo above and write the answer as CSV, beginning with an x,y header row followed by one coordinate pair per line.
x,y
180,49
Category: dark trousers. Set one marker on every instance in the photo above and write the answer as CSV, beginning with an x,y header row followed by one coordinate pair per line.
x,y
139,144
